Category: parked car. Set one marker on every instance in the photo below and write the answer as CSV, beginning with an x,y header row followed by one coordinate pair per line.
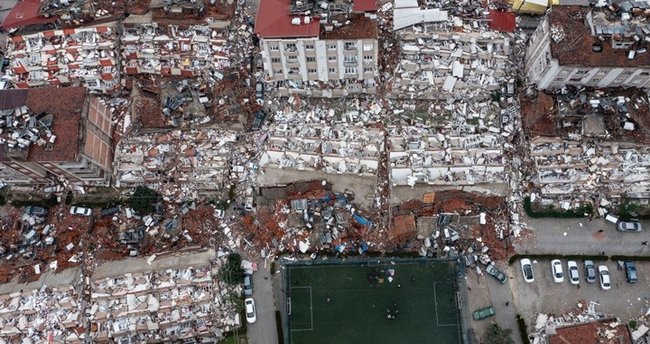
x,y
109,211
219,213
630,271
483,313
251,316
258,120
629,226
36,211
496,273
605,282
574,276
248,284
556,270
527,270
259,90
590,271
81,211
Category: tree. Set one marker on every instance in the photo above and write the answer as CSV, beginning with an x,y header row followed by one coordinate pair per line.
x,y
143,200
232,271
497,335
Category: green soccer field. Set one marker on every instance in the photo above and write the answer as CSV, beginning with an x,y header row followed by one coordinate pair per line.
x,y
356,303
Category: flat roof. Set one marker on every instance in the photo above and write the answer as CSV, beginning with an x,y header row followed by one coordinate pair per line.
x,y
65,125
575,48
360,27
273,20
25,13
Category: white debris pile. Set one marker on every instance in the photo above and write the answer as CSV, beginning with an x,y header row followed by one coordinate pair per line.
x,y
41,315
176,304
20,128
82,56
153,48
179,164
339,149
443,55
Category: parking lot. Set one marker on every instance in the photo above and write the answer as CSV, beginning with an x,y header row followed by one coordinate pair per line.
x,y
624,300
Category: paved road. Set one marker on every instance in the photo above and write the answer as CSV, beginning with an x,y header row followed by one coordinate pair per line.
x,y
264,331
581,236
503,302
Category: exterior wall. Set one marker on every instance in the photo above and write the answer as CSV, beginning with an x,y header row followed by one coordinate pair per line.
x,y
99,129
311,59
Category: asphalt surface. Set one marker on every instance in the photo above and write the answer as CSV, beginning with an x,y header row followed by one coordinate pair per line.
x,y
581,236
264,331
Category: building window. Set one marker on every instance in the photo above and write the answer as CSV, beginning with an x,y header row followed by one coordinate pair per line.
x,y
368,57
595,80
331,58
309,46
331,46
275,60
582,72
274,47
332,70
311,70
350,45
644,74
350,70
292,58
290,46
277,71
294,70
311,59
368,69
626,72
350,58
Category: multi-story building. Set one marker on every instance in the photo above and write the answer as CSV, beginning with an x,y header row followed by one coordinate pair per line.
x,y
319,49
47,140
70,57
599,47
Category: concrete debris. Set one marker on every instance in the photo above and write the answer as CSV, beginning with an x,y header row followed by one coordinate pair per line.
x,y
77,57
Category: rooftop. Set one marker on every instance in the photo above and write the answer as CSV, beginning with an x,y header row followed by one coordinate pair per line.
x,y
592,333
572,41
65,124
360,27
274,21
25,13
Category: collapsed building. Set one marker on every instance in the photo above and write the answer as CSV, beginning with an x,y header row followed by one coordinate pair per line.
x,y
603,46
444,53
46,140
82,56
317,48
195,50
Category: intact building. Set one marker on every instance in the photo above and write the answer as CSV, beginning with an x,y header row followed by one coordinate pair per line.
x,y
321,49
46,140
599,47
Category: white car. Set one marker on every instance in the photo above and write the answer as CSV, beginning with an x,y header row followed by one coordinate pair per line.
x,y
556,270
574,276
527,270
81,211
251,316
603,273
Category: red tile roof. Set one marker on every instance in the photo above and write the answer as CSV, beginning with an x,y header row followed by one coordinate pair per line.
x,y
25,13
502,21
274,21
365,6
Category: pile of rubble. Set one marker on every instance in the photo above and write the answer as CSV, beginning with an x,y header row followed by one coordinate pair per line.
x,y
175,304
173,49
179,164
83,56
22,128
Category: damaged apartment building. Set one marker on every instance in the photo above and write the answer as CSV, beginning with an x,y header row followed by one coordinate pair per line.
x,y
448,52
194,50
84,56
319,48
45,140
601,46
600,148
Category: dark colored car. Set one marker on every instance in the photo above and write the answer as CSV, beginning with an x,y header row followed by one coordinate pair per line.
x,y
483,313
110,211
36,211
630,272
260,116
248,284
496,273
590,271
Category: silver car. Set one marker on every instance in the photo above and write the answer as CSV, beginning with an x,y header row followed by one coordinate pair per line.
x,y
629,226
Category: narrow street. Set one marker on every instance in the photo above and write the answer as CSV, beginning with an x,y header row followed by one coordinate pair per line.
x,y
264,331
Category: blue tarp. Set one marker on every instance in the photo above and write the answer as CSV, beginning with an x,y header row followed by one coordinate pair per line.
x,y
362,220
